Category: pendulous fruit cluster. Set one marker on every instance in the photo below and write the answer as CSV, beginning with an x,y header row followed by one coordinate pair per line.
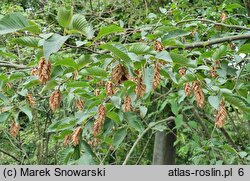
x,y
221,116
119,74
100,120
157,77
140,87
31,100
158,46
54,100
109,87
198,93
127,104
76,136
79,104
44,69
14,129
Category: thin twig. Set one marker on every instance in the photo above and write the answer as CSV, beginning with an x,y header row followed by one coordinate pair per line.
x,y
210,42
215,23
8,154
171,118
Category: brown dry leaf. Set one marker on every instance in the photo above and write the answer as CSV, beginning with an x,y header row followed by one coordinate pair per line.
x,y
54,100
109,87
157,77
14,129
44,69
31,100
158,46
127,104
75,136
221,116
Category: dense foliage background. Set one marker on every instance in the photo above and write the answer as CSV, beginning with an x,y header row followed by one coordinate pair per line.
x,y
91,82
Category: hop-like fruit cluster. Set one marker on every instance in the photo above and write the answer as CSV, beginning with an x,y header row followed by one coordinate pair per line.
x,y
221,115
157,77
14,129
34,71
67,140
182,71
97,92
212,72
31,100
54,100
140,87
127,104
44,69
79,104
76,136
198,93
158,46
100,120
109,87
119,74
187,89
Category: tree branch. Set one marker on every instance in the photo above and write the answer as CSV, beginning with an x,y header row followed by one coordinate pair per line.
x,y
215,23
6,153
210,42
12,65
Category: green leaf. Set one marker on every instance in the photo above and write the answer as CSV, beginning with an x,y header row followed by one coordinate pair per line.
x,y
53,44
221,51
214,101
175,34
27,41
163,55
68,62
244,48
148,79
83,60
118,137
109,30
133,121
12,23
182,60
64,16
140,48
27,110
114,116
7,54
230,7
117,50
179,121
62,124
239,102
80,25
4,116
97,71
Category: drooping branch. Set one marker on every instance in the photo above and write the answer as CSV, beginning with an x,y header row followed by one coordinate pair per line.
x,y
210,42
215,23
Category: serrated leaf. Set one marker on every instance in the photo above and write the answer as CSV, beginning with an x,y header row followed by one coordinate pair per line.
x,y
118,137
133,121
175,34
214,101
239,102
27,110
68,62
244,48
109,30
53,44
64,16
27,41
140,48
218,53
12,23
148,78
97,71
182,60
164,55
117,50
114,116
83,60
80,25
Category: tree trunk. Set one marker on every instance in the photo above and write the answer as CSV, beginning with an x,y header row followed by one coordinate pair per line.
x,y
164,150
247,5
